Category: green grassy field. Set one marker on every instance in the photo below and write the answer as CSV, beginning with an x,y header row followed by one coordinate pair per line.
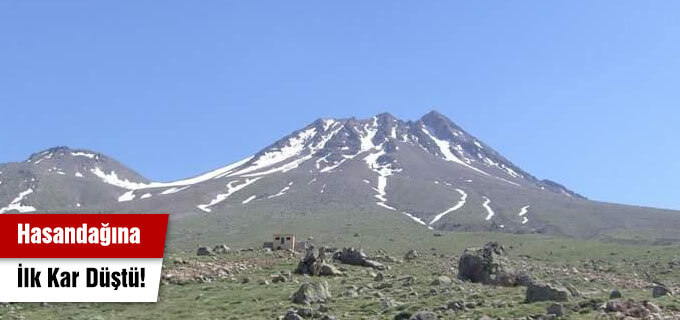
x,y
594,267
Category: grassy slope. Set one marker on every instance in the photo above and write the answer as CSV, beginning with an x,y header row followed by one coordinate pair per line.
x,y
224,299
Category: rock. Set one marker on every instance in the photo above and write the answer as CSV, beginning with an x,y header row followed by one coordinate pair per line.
x,y
312,293
546,292
263,282
424,315
306,313
411,255
204,251
487,265
314,264
379,277
278,278
660,290
615,294
404,315
441,281
292,315
357,257
328,317
456,305
221,249
652,308
556,309
627,308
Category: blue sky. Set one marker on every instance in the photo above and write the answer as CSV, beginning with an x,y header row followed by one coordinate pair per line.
x,y
581,92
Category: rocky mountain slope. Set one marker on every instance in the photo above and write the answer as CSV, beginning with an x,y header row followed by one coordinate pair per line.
x,y
429,171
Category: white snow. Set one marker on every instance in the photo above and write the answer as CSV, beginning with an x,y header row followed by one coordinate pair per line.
x,y
146,195
416,219
488,209
112,178
282,192
61,172
366,137
16,203
436,182
366,181
79,175
174,190
293,147
130,195
231,189
251,198
523,212
461,202
479,145
78,204
331,168
445,148
83,154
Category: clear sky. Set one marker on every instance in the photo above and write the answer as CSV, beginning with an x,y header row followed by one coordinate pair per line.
x,y
586,93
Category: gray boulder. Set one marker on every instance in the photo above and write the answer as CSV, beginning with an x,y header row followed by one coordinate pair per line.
x,y
424,315
204,251
411,255
292,315
357,257
221,249
556,309
546,292
314,264
312,293
660,290
488,265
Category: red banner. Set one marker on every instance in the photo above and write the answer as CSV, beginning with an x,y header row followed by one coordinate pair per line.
x,y
82,235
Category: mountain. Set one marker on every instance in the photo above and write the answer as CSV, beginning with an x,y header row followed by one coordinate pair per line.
x,y
430,172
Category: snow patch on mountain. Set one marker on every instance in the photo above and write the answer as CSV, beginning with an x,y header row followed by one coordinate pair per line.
x,y
83,154
16,203
128,196
282,192
231,189
174,190
489,211
460,204
523,212
251,198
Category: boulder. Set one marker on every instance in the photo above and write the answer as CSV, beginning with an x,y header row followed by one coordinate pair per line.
x,y
424,315
556,309
411,255
204,251
221,249
312,293
357,257
628,308
488,265
292,315
660,290
615,294
314,264
546,292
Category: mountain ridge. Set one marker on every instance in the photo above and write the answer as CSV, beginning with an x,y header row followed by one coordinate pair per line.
x,y
429,171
